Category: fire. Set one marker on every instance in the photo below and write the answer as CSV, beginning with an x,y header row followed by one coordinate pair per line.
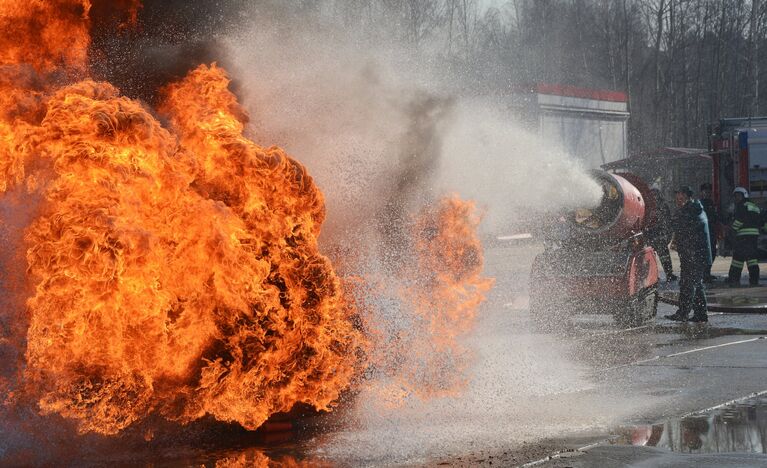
x,y
175,270
166,282
420,351
33,34
446,288
257,459
450,262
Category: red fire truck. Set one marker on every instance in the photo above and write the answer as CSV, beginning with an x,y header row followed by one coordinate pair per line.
x,y
738,148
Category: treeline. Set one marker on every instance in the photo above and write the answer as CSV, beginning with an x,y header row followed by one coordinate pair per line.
x,y
684,63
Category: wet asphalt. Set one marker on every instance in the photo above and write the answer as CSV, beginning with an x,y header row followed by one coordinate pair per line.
x,y
589,393
701,387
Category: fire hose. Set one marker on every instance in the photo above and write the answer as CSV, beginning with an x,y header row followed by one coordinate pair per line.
x,y
745,308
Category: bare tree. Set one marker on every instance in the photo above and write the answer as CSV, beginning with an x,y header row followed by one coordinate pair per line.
x,y
683,63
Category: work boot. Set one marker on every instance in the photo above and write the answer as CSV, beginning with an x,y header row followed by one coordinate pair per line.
x,y
733,278
732,282
699,319
753,275
677,317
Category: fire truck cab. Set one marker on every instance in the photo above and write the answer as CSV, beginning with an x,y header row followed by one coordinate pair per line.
x,y
738,148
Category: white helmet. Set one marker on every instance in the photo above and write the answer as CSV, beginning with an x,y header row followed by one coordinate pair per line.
x,y
741,190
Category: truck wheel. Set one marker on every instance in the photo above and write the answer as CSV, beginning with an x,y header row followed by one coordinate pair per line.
x,y
639,310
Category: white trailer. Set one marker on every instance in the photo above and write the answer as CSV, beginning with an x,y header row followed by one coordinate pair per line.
x,y
590,125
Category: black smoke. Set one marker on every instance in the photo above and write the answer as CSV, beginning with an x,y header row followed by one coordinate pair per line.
x,y
169,38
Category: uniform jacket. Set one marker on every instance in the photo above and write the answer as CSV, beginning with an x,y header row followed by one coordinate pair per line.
x,y
691,233
748,219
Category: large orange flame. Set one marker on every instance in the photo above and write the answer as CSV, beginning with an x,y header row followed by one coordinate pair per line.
x,y
172,273
175,270
445,288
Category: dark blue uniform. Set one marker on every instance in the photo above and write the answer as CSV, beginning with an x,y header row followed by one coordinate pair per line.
x,y
693,244
748,219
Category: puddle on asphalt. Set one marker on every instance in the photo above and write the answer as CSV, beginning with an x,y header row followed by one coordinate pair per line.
x,y
741,427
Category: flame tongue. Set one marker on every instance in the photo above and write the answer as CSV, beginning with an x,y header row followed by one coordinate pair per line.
x,y
445,287
172,273
180,278
175,270
50,36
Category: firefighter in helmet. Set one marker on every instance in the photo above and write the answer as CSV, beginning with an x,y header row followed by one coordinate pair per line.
x,y
746,227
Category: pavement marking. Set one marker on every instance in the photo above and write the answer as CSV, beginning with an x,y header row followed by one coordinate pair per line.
x,y
582,450
585,333
619,331
689,351
524,235
726,403
561,454
701,366
715,346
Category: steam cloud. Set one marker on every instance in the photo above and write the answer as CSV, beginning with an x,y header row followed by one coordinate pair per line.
x,y
381,126
382,129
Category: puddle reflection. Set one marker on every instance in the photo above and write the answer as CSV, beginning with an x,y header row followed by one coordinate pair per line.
x,y
737,428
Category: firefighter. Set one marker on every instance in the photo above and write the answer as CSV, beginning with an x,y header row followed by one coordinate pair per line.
x,y
693,243
748,219
659,232
713,221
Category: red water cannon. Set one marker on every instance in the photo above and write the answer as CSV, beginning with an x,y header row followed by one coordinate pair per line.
x,y
621,214
602,263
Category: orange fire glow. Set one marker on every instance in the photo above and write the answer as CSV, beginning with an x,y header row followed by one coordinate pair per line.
x,y
447,288
255,459
439,289
176,273
175,270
